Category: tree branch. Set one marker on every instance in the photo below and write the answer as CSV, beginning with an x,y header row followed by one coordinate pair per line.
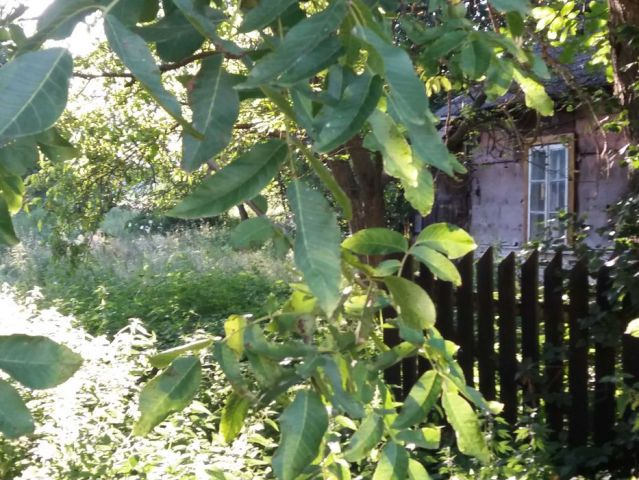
x,y
164,67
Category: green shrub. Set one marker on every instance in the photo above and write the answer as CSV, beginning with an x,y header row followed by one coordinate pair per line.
x,y
84,426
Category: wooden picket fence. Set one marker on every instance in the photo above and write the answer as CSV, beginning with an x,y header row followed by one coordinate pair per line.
x,y
541,338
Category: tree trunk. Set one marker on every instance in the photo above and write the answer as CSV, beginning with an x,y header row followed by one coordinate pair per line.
x,y
361,179
623,26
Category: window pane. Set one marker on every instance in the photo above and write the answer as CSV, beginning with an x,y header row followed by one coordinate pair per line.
x,y
537,164
536,226
557,164
557,196
538,196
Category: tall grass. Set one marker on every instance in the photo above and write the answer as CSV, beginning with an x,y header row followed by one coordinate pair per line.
x,y
174,283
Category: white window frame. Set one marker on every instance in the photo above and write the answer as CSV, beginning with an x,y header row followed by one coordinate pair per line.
x,y
548,147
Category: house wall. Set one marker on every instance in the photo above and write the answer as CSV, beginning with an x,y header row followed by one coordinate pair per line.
x,y
499,181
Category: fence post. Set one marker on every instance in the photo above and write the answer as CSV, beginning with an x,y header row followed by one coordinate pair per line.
x,y
606,340
578,356
465,318
485,325
553,329
530,327
507,337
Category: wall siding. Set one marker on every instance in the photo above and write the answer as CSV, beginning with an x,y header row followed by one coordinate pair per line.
x,y
499,189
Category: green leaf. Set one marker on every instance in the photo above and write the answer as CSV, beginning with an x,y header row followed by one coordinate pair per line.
x,y
387,268
59,19
367,436
15,418
392,356
303,424
337,124
415,306
633,328
37,362
499,77
438,264
265,13
416,471
149,10
330,183
7,233
237,182
396,152
520,6
464,420
429,147
475,57
233,416
252,233
421,196
19,159
444,44
215,105
164,359
202,17
317,250
230,365
33,92
11,189
376,241
337,371
55,146
407,90
171,391
290,62
447,239
234,327
174,36
427,437
256,342
421,399
535,94
135,54
393,464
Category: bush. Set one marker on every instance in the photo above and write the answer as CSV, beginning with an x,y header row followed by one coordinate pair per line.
x,y
84,426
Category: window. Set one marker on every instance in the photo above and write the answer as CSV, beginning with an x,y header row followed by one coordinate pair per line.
x,y
548,188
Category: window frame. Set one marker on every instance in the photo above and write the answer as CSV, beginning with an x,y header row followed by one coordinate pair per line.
x,y
568,141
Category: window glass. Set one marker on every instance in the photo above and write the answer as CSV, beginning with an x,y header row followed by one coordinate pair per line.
x,y
557,164
536,226
538,164
537,197
556,196
548,184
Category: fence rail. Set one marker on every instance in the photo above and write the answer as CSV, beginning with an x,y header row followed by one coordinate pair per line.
x,y
533,343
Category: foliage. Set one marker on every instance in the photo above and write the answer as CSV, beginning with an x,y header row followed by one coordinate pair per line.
x,y
84,425
175,283
332,71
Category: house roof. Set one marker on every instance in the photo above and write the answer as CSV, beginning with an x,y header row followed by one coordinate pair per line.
x,y
556,87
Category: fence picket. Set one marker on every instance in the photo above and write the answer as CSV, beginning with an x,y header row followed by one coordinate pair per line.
x,y
553,329
530,328
578,355
604,399
486,326
507,337
465,318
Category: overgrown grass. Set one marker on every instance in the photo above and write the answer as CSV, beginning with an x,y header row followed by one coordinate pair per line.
x,y
174,283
